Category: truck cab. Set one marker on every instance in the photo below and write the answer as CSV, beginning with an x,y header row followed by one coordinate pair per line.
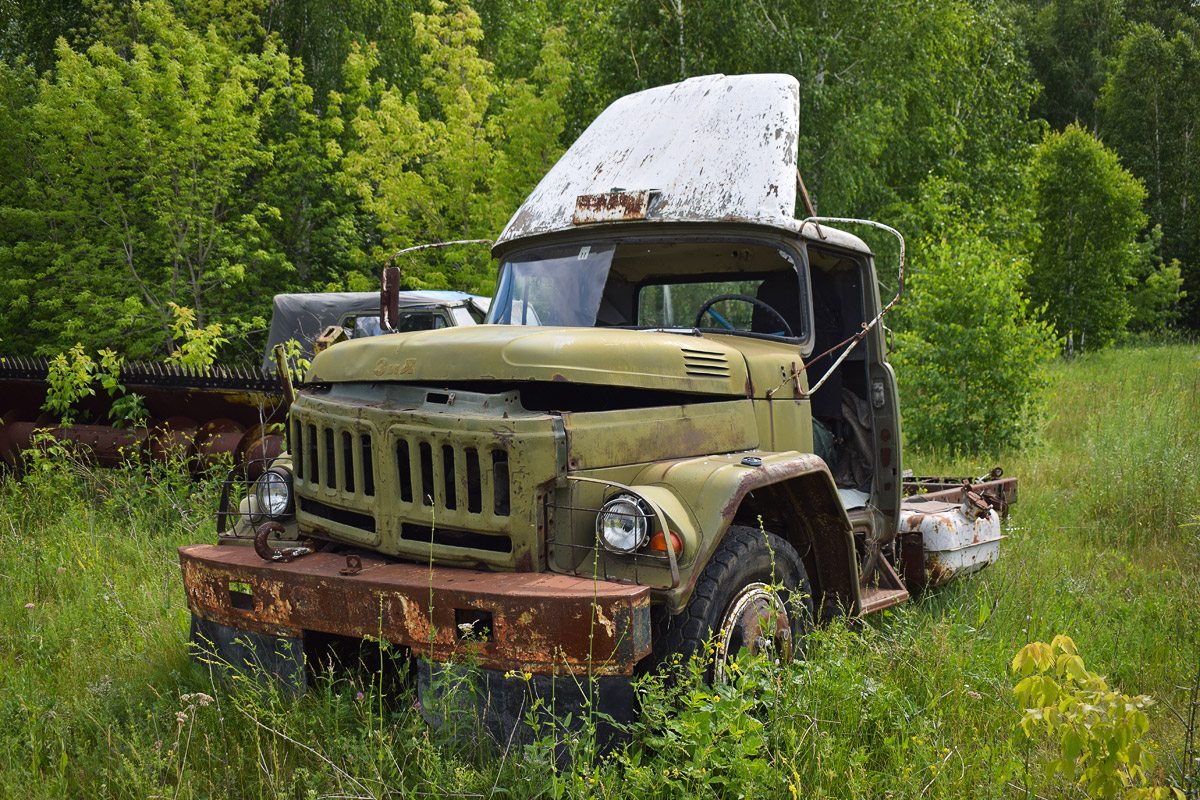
x,y
677,427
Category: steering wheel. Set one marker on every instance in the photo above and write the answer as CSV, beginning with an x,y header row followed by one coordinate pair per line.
x,y
745,298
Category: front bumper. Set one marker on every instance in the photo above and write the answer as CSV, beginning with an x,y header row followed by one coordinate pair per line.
x,y
541,623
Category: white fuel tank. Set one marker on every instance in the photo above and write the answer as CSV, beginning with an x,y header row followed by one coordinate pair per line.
x,y
958,539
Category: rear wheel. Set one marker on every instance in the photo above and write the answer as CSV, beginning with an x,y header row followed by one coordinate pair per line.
x,y
753,593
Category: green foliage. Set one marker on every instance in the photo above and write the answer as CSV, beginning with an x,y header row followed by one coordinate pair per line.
x,y
1148,394
69,380
458,170
137,184
128,409
1069,43
1151,110
970,353
530,126
1089,210
193,346
321,35
1100,732
297,365
712,736
72,377
1155,295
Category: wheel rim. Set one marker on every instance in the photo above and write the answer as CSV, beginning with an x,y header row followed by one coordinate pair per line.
x,y
756,619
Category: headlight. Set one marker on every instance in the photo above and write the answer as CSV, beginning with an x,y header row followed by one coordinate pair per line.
x,y
623,523
274,493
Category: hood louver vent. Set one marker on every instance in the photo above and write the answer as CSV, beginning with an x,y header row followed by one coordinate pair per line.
x,y
704,364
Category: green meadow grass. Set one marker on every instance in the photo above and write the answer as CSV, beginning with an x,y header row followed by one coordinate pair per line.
x,y
99,699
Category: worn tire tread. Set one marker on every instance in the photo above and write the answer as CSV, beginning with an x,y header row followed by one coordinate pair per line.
x,y
687,632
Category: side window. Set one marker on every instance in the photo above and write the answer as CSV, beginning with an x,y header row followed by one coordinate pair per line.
x,y
422,320
365,325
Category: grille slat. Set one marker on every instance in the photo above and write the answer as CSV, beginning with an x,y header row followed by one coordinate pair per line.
x,y
349,466
297,448
428,482
500,475
449,479
329,461
404,470
472,485
486,478
310,453
368,465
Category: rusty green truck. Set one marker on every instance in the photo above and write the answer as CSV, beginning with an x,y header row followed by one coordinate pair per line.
x,y
678,425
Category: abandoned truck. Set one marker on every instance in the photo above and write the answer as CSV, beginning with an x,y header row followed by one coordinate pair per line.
x,y
677,425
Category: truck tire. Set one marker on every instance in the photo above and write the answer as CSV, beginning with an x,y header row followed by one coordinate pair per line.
x,y
753,577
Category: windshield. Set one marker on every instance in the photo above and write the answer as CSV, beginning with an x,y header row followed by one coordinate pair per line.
x,y
562,286
726,286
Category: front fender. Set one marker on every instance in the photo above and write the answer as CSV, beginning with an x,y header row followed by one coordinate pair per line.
x,y
791,493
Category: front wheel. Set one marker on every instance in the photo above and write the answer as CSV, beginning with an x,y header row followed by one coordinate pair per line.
x,y
753,593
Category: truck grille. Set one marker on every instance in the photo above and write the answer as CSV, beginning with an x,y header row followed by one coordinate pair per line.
x,y
439,488
340,460
426,470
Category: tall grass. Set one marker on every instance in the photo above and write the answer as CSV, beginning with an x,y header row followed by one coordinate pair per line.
x,y
99,699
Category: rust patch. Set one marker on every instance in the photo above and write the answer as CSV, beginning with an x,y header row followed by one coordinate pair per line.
x,y
935,569
544,623
612,206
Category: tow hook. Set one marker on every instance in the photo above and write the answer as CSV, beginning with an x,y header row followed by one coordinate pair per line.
x,y
278,555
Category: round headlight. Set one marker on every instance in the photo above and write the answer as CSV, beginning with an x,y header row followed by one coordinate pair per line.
x,y
623,523
274,493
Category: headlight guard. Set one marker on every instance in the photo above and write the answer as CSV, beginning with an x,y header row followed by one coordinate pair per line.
x,y
623,523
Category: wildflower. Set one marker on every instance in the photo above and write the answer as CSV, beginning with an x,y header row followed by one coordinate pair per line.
x,y
417,705
358,696
29,605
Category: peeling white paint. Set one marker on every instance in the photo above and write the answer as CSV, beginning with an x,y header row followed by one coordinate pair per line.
x,y
957,542
714,148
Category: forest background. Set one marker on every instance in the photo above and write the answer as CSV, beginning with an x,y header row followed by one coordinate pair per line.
x,y
1041,157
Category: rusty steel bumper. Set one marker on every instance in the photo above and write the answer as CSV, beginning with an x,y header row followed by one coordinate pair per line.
x,y
544,624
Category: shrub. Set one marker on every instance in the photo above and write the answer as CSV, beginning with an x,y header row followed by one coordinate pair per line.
x,y
970,353
1099,731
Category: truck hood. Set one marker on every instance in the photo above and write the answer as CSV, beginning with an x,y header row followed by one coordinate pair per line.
x,y
712,148
596,356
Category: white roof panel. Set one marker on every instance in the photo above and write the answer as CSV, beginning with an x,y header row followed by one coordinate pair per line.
x,y
712,148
